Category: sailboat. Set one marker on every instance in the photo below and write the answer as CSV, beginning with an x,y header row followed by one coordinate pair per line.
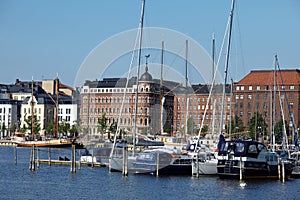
x,y
122,161
250,159
51,142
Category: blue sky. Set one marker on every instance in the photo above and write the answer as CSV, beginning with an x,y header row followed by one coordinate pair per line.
x,y
43,38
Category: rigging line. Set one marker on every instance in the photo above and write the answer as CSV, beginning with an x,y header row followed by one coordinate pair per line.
x,y
125,92
287,101
213,81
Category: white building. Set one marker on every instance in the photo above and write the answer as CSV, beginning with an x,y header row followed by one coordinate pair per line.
x,y
8,116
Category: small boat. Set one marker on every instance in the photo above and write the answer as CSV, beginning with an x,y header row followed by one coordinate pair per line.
x,y
295,156
250,159
88,158
162,162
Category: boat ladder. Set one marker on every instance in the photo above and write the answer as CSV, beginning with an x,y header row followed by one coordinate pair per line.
x,y
228,165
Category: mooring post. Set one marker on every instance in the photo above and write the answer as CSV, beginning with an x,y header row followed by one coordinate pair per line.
x,y
71,162
15,154
73,159
279,168
49,156
157,164
93,157
241,169
197,165
283,173
125,161
79,162
38,158
32,159
74,153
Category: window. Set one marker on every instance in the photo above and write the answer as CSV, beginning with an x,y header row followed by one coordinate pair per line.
x,y
242,87
68,111
249,96
250,87
292,87
291,96
258,87
237,87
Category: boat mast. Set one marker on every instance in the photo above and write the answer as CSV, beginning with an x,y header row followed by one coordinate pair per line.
x,y
161,88
226,66
56,107
274,105
186,91
138,75
32,110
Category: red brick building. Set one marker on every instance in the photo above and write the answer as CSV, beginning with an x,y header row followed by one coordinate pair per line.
x,y
255,93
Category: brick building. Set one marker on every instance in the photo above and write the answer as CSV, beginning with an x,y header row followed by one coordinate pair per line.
x,y
255,93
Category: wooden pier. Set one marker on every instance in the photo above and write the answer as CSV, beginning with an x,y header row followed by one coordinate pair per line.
x,y
68,163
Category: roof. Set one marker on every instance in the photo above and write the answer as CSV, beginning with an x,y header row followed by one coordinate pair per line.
x,y
266,77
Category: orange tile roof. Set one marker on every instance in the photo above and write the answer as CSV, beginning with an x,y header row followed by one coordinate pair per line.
x,y
266,77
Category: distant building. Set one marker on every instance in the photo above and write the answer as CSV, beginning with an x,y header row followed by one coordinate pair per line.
x,y
9,116
255,93
107,97
44,98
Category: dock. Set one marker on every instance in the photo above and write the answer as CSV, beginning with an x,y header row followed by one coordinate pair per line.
x,y
63,162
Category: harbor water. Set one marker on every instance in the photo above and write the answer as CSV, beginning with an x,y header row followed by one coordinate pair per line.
x,y
56,182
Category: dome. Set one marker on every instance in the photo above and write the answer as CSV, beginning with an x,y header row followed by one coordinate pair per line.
x,y
146,76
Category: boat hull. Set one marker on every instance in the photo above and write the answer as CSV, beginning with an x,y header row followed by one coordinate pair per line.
x,y
252,170
49,143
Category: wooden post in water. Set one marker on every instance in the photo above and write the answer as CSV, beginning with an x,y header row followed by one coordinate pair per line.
x,y
93,157
157,164
73,159
279,168
32,164
283,173
125,161
197,165
241,169
79,162
38,158
49,156
15,154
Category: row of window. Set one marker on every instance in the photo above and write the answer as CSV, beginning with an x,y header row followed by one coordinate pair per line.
x,y
265,105
3,110
201,116
68,111
257,96
115,110
106,90
265,87
67,118
123,121
118,100
203,99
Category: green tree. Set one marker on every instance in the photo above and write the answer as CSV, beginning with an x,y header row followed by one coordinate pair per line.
x,y
190,126
257,125
236,125
112,128
73,131
64,127
50,129
279,130
36,124
102,124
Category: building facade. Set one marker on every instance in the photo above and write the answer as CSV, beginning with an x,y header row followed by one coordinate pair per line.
x,y
116,98
272,94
